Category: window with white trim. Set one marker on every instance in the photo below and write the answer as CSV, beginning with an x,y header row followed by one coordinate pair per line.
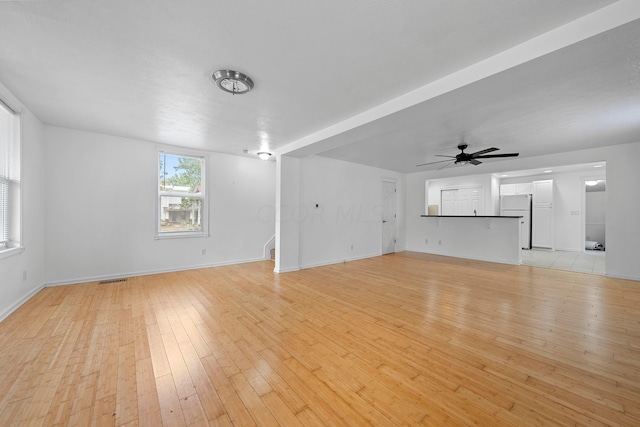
x,y
182,206
9,180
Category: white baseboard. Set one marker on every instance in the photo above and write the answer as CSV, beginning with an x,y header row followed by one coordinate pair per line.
x,y
618,276
479,258
338,261
13,307
286,270
147,272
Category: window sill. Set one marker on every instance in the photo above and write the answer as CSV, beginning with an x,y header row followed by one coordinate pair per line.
x,y
180,235
6,253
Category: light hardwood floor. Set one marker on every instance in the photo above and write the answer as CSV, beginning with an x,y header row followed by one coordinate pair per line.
x,y
403,339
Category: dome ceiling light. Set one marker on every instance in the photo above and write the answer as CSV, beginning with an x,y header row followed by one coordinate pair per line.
x,y
233,82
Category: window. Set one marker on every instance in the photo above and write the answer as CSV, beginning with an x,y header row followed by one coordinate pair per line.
x,y
182,207
9,180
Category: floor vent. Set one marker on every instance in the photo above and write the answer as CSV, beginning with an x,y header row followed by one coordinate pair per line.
x,y
106,282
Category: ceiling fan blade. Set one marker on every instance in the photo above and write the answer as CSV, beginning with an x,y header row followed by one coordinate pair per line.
x,y
431,163
442,155
475,162
490,156
446,166
488,150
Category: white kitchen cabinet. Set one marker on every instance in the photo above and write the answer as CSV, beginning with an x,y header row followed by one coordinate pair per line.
x,y
516,189
543,191
542,227
542,215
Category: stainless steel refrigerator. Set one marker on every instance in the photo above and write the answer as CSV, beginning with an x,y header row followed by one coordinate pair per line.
x,y
519,205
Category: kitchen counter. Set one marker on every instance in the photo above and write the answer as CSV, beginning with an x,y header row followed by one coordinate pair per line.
x,y
482,237
469,216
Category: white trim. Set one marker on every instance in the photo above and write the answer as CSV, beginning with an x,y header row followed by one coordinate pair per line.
x,y
131,274
340,261
180,235
478,258
9,252
7,107
203,195
618,276
285,270
16,305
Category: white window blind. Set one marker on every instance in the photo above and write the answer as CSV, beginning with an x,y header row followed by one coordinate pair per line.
x,y
9,178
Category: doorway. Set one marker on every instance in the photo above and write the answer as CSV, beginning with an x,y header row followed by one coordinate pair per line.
x,y
388,217
595,214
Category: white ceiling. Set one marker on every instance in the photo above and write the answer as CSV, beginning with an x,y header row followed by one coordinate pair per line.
x,y
353,80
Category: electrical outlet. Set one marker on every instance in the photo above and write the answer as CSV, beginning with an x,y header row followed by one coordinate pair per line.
x,y
352,246
204,252
426,240
439,242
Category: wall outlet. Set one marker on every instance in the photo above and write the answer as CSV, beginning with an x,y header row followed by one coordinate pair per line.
x,y
204,252
439,242
352,246
426,240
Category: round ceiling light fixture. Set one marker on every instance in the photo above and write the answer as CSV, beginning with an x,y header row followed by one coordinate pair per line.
x,y
264,155
233,82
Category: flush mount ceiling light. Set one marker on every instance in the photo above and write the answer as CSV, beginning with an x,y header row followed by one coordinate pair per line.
x,y
264,155
591,183
232,81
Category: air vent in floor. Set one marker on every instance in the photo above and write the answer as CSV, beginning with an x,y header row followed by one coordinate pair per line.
x,y
106,282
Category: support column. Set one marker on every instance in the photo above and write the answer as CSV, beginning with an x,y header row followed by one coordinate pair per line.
x,y
287,214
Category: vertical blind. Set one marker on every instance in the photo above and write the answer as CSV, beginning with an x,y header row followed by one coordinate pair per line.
x,y
9,175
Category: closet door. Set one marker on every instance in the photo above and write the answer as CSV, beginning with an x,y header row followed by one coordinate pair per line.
x,y
542,218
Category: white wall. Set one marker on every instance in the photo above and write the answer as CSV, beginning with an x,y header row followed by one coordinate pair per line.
x,y
623,199
101,207
347,223
14,289
479,238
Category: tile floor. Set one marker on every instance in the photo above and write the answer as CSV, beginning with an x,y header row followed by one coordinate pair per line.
x,y
583,262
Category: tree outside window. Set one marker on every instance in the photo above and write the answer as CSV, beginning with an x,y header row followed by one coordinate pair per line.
x,y
181,194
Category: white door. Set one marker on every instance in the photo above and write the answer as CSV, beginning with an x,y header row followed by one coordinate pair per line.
x,y
462,201
449,202
388,217
542,222
471,201
542,227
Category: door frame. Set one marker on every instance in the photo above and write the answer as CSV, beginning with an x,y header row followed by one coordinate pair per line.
x,y
395,211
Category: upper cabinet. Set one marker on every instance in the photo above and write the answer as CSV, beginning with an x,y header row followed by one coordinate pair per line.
x,y
543,192
515,189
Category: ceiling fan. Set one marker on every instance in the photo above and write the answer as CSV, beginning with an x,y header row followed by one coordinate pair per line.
x,y
472,158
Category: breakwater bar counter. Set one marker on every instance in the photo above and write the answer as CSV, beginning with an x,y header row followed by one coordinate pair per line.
x,y
482,237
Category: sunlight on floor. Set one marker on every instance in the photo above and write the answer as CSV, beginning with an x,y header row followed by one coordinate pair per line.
x,y
583,262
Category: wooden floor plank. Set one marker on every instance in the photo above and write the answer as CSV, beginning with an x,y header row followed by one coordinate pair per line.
x,y
402,339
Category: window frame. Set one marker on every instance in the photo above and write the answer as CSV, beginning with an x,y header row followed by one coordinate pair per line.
x,y
13,180
203,195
